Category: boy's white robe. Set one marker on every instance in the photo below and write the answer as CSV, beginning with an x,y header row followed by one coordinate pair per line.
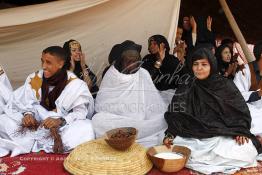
x,y
75,104
243,83
5,89
130,101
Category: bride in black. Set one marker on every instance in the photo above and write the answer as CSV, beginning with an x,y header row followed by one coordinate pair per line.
x,y
210,117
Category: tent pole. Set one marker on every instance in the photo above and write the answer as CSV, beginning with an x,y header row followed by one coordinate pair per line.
x,y
249,56
173,27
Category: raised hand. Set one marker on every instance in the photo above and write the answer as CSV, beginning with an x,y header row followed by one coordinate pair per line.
x,y
162,51
82,60
209,23
193,23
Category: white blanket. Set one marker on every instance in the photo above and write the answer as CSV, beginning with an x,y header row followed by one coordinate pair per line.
x,y
130,100
218,154
5,89
243,83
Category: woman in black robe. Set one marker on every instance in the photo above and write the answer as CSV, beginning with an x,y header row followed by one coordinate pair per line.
x,y
211,108
227,66
164,68
76,63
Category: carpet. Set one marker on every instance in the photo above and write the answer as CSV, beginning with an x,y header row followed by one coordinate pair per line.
x,y
52,164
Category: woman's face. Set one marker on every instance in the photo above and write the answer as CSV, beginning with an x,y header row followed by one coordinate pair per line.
x,y
226,55
153,48
75,49
201,68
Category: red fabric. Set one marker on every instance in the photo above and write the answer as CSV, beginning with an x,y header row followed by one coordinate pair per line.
x,y
52,164
34,163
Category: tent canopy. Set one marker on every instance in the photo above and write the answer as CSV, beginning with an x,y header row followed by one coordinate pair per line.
x,y
99,24
96,24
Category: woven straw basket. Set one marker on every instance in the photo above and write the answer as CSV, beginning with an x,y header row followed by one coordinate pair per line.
x,y
98,158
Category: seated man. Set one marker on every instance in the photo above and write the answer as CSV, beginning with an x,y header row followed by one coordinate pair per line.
x,y
249,83
128,98
50,112
5,89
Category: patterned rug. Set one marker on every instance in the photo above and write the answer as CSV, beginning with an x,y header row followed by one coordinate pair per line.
x,y
52,164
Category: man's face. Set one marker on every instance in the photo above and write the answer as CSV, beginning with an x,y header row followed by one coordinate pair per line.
x,y
130,65
51,64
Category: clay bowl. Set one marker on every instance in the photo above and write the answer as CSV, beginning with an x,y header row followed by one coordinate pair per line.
x,y
169,162
121,138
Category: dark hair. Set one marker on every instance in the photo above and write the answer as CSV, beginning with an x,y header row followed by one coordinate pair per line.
x,y
67,49
57,51
206,45
258,50
159,39
219,51
115,53
118,49
227,41
203,53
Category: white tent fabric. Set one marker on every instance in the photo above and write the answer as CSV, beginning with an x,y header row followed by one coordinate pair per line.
x,y
96,24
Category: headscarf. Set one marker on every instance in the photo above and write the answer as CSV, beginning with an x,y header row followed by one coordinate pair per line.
x,y
125,46
114,54
67,46
159,39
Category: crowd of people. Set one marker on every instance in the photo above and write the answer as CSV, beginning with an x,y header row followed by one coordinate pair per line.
x,y
197,95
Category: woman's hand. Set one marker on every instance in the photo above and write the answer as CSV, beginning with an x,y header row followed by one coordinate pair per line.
x,y
241,140
168,142
234,68
209,23
193,24
181,51
231,70
162,52
82,61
